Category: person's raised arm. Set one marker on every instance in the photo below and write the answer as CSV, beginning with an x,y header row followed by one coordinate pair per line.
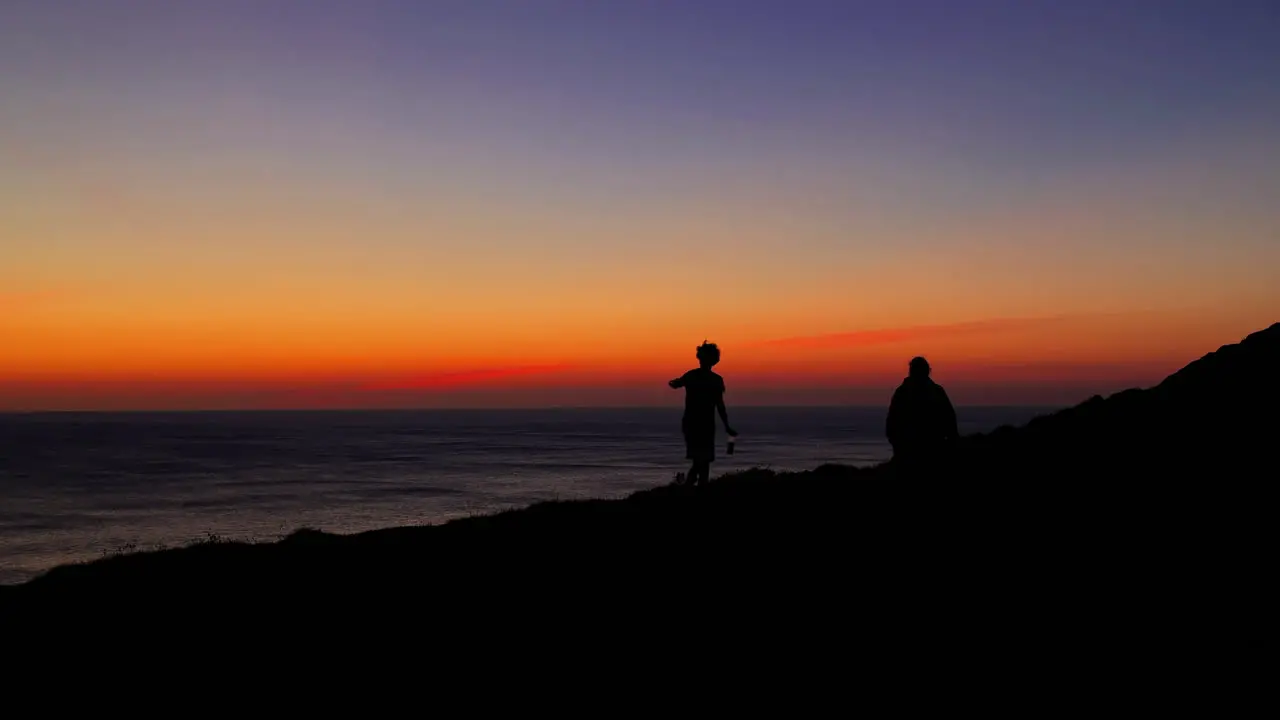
x,y
677,383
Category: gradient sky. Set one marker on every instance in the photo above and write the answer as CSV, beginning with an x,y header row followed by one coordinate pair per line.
x,y
260,203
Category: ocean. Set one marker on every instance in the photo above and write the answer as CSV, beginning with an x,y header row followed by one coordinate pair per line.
x,y
76,486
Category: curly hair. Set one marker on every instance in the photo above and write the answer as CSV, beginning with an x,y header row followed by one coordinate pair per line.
x,y
708,353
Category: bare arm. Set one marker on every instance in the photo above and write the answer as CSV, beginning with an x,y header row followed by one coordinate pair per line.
x,y
677,383
724,415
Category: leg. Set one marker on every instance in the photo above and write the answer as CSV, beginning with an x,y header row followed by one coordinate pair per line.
x,y
690,454
703,472
700,449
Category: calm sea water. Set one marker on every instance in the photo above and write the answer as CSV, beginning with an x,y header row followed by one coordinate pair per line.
x,y
75,486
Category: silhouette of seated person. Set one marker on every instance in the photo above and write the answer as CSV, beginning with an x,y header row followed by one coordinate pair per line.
x,y
921,422
703,400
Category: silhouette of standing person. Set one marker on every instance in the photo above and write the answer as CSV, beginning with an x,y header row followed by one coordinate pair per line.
x,y
921,421
703,399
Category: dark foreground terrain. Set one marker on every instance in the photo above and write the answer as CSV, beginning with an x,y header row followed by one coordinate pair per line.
x,y
1139,518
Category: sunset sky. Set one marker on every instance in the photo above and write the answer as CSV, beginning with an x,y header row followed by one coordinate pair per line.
x,y
366,203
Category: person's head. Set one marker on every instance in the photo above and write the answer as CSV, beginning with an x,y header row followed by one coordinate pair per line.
x,y
708,354
919,367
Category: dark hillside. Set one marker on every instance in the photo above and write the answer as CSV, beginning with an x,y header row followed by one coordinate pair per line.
x,y
1118,510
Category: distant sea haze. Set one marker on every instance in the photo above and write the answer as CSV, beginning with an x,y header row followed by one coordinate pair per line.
x,y
76,485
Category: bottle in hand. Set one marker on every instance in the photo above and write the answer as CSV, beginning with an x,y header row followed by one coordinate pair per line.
x,y
732,440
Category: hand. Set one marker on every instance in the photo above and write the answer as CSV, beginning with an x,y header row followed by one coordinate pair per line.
x,y
673,384
730,431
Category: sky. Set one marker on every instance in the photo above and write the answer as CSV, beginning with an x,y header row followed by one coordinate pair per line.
x,y
220,204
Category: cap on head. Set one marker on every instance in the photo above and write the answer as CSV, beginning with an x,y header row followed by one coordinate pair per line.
x,y
708,354
919,366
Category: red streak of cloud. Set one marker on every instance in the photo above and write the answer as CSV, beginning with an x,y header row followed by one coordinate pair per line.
x,y
883,336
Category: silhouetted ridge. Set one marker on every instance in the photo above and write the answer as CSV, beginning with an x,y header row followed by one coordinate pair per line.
x,y
1219,411
1249,364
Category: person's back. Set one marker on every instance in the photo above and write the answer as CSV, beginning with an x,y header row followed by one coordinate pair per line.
x,y
921,418
703,390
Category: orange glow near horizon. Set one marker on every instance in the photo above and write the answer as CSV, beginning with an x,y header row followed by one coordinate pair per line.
x,y
1030,360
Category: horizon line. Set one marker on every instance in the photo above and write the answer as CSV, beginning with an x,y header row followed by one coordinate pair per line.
x,y
526,408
